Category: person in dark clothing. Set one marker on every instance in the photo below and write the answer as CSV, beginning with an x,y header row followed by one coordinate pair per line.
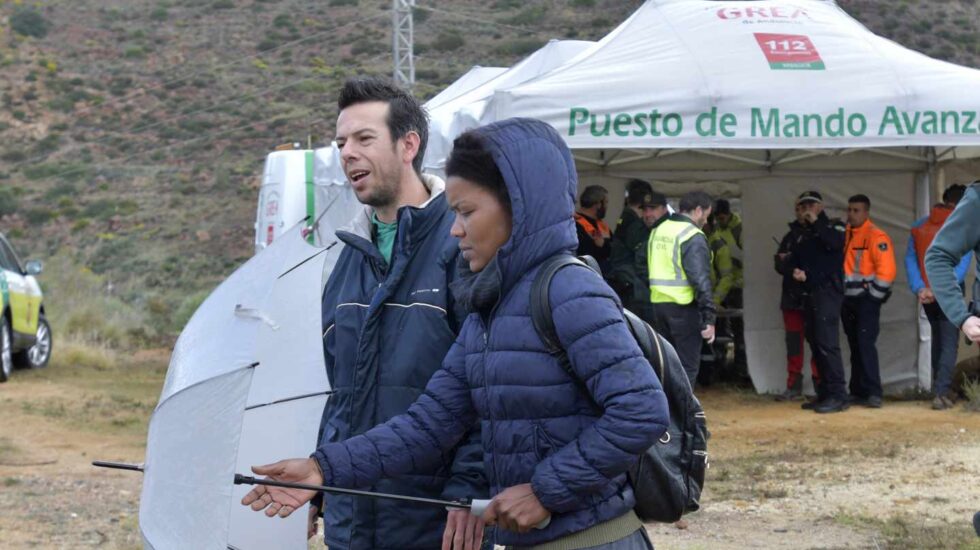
x,y
643,208
388,319
594,236
679,270
818,263
792,303
556,443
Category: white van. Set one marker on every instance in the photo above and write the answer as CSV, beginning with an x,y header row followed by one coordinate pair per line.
x,y
303,184
306,185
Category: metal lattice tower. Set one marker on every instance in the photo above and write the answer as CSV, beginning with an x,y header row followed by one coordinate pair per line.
x,y
403,38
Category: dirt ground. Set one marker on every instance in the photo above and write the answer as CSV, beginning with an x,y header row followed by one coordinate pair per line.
x,y
900,477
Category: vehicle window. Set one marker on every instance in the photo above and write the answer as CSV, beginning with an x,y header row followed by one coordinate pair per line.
x,y
8,259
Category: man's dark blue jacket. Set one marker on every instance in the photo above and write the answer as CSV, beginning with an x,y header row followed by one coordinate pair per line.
x,y
538,425
386,330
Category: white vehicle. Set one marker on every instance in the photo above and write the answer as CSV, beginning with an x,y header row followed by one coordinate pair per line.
x,y
304,184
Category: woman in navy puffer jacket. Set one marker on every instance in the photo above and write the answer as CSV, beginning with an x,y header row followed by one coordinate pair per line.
x,y
547,450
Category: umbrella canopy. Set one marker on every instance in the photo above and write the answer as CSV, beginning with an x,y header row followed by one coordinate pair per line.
x,y
246,385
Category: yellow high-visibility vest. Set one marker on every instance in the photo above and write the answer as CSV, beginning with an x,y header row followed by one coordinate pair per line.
x,y
668,281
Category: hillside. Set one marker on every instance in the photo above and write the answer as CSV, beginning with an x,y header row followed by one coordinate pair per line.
x,y
134,131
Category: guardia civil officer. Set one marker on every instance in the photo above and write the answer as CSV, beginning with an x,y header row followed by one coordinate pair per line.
x,y
818,264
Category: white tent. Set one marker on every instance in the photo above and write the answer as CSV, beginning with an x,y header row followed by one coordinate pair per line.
x,y
450,118
472,78
764,99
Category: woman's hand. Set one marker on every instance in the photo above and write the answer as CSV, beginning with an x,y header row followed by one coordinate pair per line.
x,y
280,500
517,508
464,531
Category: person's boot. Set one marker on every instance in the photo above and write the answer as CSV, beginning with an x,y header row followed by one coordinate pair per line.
x,y
789,394
831,405
872,402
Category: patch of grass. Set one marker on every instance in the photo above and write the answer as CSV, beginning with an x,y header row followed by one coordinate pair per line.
x,y
902,531
76,353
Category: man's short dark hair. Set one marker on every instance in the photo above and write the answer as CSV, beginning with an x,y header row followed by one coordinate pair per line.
x,y
722,206
471,160
636,190
863,199
693,199
592,195
953,194
405,113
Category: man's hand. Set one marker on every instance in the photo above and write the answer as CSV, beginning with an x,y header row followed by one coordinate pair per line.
x,y
517,508
709,334
971,328
313,526
926,296
799,275
279,500
464,531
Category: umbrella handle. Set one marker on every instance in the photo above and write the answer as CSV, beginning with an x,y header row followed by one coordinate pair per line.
x,y
478,506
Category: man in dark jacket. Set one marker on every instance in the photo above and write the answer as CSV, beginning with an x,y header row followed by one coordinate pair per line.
x,y
388,318
643,208
594,236
792,302
818,263
679,270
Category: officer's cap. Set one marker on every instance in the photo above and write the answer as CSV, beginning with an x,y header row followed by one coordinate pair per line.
x,y
810,196
653,199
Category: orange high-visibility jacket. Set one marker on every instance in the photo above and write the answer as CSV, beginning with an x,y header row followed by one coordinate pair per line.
x,y
869,262
597,230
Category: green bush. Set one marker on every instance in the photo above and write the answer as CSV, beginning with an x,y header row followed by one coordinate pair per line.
x,y
83,306
38,216
223,4
529,16
13,155
134,52
29,22
519,46
448,41
159,13
8,201
337,3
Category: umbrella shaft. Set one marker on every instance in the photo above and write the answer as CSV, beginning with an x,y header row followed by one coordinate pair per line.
x,y
249,480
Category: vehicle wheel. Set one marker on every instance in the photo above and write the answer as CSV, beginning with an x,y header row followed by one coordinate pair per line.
x,y
38,355
6,349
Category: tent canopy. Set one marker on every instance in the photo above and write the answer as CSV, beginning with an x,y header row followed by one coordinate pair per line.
x,y
450,118
789,74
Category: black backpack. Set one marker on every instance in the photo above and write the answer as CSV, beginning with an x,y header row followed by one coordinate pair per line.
x,y
668,478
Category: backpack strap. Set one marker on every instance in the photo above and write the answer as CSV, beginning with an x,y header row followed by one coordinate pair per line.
x,y
544,322
541,314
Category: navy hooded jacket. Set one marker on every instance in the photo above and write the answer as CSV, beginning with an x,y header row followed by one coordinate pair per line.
x,y
538,426
387,328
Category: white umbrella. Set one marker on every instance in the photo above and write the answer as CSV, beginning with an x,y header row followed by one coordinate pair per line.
x,y
246,385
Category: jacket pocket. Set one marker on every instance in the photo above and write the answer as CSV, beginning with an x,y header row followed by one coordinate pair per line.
x,y
544,445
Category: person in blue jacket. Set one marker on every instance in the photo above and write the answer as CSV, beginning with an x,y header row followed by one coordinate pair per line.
x,y
551,448
944,334
388,320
